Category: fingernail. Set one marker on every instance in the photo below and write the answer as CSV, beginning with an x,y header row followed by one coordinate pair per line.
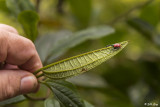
x,y
28,84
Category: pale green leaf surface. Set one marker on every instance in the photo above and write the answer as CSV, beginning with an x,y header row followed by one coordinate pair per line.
x,y
29,21
65,93
12,100
51,102
80,63
87,104
77,38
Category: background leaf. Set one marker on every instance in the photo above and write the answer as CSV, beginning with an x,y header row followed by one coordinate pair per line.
x,y
82,10
3,7
154,18
143,27
12,100
77,38
29,21
65,93
17,6
45,43
87,104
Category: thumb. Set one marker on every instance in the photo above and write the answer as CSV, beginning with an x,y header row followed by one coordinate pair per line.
x,y
15,82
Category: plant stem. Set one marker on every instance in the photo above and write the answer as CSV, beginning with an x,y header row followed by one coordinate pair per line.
x,y
36,72
129,11
40,75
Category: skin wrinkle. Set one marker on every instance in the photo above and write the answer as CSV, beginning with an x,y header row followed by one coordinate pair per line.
x,y
23,65
8,90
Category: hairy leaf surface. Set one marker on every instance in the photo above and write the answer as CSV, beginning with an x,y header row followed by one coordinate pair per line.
x,y
65,93
80,63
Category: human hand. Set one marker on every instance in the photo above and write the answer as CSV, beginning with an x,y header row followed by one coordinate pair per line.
x,y
21,59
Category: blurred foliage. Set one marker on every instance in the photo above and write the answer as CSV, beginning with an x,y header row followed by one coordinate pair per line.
x,y
130,79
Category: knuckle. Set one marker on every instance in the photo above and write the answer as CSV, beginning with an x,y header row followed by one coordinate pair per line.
x,y
28,47
30,44
37,65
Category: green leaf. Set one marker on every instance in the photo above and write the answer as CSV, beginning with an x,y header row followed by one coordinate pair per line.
x,y
29,21
44,44
65,93
16,6
87,104
143,27
51,102
3,7
77,38
12,100
81,63
146,29
82,10
154,18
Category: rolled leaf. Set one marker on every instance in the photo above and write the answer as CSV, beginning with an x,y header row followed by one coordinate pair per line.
x,y
81,63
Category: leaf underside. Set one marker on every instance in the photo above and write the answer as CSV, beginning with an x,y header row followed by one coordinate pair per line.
x,y
80,63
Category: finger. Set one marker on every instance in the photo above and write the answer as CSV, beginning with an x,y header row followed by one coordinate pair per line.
x,y
10,67
8,28
18,50
15,82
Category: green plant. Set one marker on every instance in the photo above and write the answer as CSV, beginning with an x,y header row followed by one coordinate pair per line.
x,y
63,91
130,79
56,73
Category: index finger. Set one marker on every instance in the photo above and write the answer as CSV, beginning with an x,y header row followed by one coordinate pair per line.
x,y
18,50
